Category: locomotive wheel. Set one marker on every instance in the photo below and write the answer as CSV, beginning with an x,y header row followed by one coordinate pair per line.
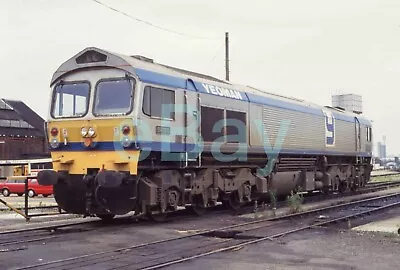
x,y
325,190
342,187
156,217
233,202
154,214
198,206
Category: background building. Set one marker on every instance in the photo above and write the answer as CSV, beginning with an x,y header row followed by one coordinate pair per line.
x,y
348,102
21,132
382,149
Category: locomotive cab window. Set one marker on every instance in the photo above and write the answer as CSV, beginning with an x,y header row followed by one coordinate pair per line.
x,y
70,99
114,97
159,103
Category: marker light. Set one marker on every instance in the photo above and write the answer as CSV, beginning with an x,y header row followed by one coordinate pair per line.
x,y
54,132
84,131
126,142
126,130
91,132
54,143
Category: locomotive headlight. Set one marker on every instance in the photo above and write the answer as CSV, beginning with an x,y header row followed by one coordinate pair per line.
x,y
54,143
87,142
84,131
91,132
126,142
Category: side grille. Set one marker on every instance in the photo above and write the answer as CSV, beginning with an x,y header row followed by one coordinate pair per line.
x,y
300,163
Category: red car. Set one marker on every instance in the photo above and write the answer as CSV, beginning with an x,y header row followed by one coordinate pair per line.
x,y
16,185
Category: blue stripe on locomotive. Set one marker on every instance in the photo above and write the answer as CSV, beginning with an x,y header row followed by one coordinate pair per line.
x,y
165,80
176,82
180,147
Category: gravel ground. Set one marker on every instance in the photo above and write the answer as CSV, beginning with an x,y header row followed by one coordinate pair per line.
x,y
322,248
334,247
314,249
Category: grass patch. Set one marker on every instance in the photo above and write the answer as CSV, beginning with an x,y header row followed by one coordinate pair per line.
x,y
295,200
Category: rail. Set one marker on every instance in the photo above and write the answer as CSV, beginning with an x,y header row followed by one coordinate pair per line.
x,y
384,174
271,237
130,259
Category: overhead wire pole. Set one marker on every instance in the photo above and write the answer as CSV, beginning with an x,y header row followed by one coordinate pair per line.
x,y
227,56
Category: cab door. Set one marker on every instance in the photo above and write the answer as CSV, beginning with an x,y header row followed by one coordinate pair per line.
x,y
191,125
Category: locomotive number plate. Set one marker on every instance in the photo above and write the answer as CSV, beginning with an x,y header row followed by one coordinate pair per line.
x,y
163,130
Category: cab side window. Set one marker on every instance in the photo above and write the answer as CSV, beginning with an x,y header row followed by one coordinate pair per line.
x,y
159,103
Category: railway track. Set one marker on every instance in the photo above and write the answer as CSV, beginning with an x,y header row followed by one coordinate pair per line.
x,y
385,174
383,183
50,231
357,212
167,252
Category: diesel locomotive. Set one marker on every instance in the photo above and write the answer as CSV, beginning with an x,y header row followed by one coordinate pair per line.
x,y
128,134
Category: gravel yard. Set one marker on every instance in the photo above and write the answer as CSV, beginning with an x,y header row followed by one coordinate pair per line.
x,y
333,247
314,249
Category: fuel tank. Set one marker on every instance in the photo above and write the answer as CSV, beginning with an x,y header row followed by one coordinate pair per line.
x,y
282,183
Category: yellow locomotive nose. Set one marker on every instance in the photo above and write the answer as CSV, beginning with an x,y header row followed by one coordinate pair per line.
x,y
92,144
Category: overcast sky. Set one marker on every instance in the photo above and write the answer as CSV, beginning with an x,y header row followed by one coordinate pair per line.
x,y
308,49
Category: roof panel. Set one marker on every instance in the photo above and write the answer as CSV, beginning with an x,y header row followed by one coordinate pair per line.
x,y
149,71
4,105
195,74
6,114
27,114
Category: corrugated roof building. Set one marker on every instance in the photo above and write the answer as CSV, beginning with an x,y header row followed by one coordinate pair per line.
x,y
21,131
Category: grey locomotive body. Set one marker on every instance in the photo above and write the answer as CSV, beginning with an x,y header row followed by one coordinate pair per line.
x,y
192,140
